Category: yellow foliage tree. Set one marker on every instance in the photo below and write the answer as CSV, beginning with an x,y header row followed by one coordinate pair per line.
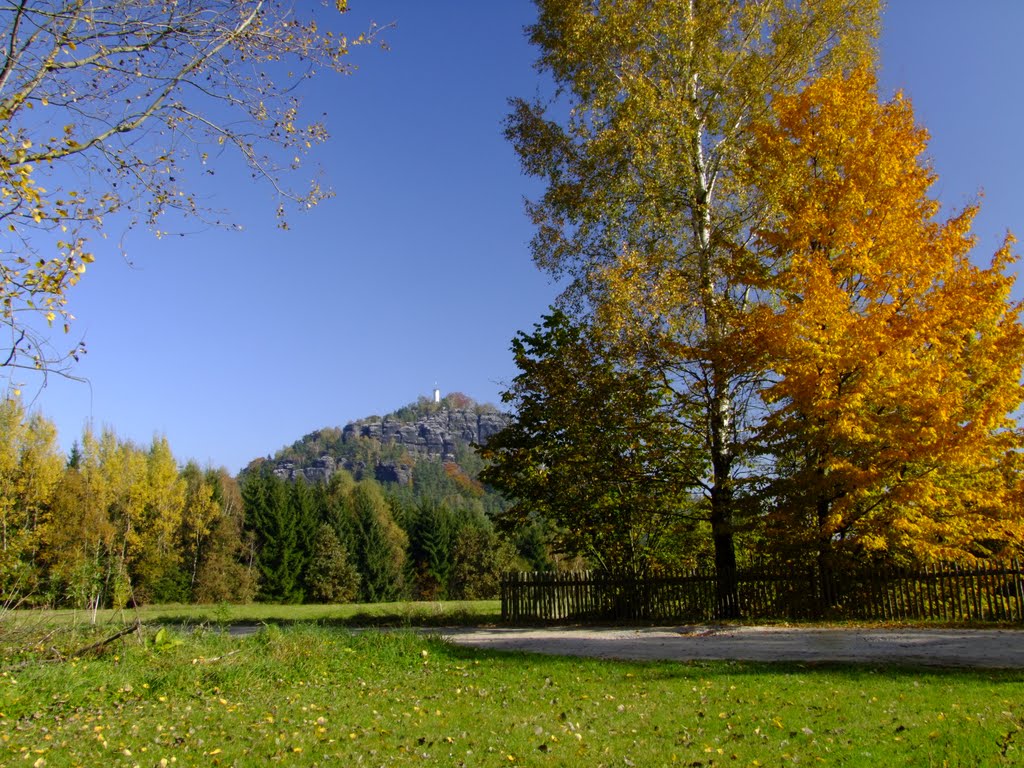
x,y
156,568
79,540
30,468
200,513
895,361
645,213
108,107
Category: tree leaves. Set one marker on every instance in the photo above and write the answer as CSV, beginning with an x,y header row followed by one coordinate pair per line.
x,y
890,424
595,452
646,211
731,205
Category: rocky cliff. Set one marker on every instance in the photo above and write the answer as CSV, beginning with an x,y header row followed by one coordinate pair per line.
x,y
436,435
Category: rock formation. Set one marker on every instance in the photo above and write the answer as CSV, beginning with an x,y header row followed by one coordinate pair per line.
x,y
433,436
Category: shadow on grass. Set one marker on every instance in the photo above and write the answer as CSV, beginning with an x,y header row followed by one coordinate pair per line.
x,y
355,621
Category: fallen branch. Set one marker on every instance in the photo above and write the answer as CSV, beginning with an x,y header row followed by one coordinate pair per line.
x,y
57,657
98,646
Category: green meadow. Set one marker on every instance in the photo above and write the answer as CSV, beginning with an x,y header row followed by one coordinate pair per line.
x,y
308,694
397,614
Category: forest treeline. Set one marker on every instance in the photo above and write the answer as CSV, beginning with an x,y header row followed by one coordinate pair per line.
x,y
116,523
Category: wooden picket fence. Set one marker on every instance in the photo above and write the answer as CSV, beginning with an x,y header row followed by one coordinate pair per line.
x,y
983,593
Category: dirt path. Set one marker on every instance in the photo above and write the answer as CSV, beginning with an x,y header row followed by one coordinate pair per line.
x,y
985,648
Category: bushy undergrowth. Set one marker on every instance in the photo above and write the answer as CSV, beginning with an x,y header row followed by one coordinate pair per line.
x,y
308,695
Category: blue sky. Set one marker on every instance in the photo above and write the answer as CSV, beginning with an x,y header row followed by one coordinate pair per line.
x,y
234,344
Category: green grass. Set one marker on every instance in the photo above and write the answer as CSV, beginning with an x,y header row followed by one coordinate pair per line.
x,y
417,614
309,695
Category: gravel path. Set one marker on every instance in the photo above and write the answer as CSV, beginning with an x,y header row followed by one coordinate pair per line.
x,y
984,648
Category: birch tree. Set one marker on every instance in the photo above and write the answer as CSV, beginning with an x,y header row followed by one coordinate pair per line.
x,y
644,214
30,469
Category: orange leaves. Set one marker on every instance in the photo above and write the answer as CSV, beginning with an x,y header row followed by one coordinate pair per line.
x,y
890,404
843,172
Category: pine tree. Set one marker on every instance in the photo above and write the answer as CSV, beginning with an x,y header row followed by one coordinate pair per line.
x,y
270,514
431,538
381,545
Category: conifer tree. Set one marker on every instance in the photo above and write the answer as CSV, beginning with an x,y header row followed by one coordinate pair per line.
x,y
431,538
270,513
335,505
381,545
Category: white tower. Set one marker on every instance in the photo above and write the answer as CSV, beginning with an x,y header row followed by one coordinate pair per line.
x,y
437,394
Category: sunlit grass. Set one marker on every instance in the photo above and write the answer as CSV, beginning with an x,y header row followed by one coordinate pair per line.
x,y
445,613
309,695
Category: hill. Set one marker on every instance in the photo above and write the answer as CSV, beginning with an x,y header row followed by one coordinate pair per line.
x,y
389,448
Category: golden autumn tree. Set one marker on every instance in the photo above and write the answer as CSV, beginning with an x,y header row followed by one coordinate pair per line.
x,y
30,469
646,212
895,360
119,107
79,539
156,573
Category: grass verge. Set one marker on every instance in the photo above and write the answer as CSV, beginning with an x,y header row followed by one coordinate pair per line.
x,y
308,695
401,614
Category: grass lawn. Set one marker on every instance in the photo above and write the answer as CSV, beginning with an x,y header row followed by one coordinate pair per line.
x,y
314,695
419,614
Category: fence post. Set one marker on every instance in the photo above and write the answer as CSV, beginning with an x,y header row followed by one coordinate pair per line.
x,y
504,595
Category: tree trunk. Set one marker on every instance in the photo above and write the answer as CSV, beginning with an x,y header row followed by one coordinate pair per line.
x,y
826,597
722,511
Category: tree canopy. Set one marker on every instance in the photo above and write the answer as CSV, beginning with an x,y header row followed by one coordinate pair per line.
x,y
891,403
741,218
595,452
646,211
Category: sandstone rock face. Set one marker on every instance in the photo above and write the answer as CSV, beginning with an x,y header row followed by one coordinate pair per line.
x,y
319,471
393,472
435,436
